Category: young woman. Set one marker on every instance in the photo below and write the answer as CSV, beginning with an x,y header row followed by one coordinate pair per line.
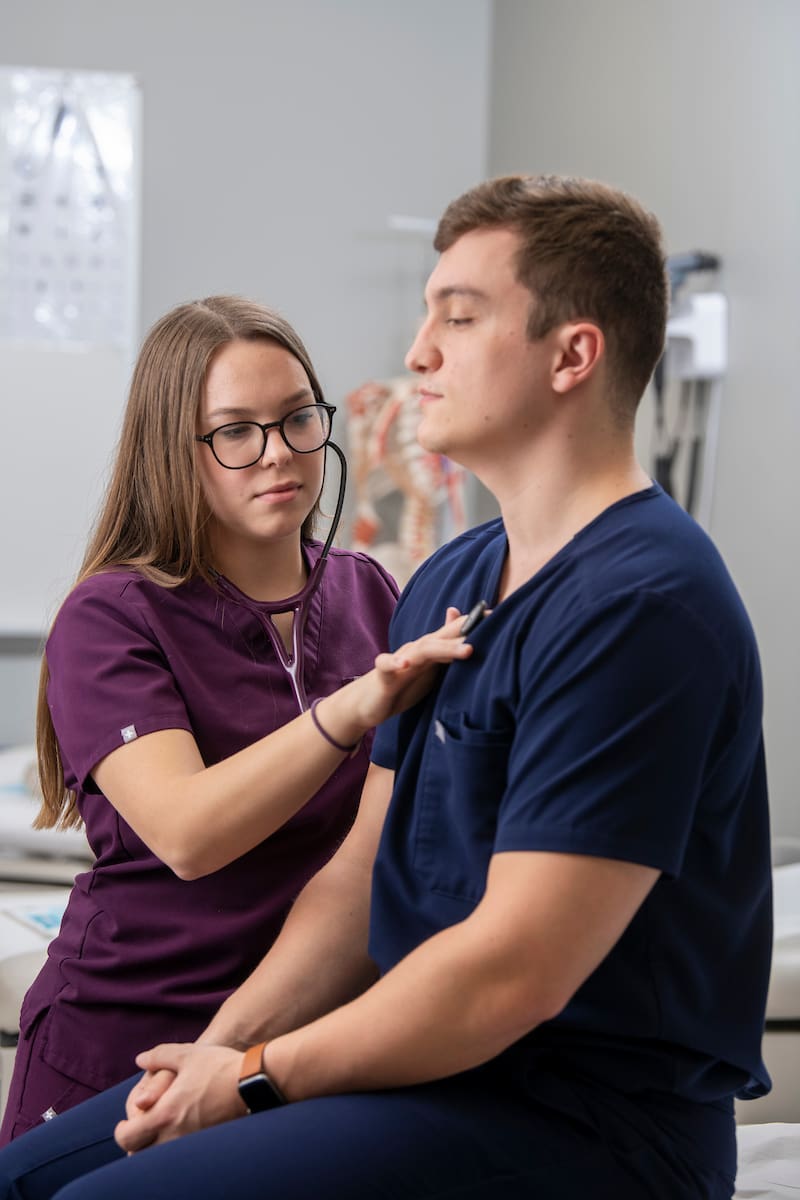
x,y
205,620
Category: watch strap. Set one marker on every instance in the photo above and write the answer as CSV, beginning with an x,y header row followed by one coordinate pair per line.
x,y
256,1088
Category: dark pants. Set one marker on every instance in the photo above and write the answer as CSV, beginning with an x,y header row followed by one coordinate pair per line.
x,y
455,1139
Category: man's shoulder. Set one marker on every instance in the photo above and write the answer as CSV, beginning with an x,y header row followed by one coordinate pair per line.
x,y
648,541
461,551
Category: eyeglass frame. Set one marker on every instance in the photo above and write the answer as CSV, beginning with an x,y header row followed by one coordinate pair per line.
x,y
208,438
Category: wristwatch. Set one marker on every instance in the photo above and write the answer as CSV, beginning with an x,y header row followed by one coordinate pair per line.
x,y
255,1086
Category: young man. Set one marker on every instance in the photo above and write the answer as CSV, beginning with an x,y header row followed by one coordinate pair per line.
x,y
538,964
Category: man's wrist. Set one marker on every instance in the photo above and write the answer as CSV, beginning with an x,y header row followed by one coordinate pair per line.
x,y
258,1091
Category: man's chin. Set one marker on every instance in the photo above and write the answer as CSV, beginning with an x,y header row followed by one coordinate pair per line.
x,y
428,438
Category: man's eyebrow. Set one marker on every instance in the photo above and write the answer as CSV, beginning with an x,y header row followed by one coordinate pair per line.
x,y
445,293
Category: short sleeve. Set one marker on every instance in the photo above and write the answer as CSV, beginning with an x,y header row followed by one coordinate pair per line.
x,y
617,722
109,679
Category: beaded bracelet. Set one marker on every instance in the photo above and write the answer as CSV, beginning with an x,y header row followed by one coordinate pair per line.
x,y
351,750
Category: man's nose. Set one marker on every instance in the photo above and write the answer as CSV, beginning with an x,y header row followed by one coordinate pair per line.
x,y
423,354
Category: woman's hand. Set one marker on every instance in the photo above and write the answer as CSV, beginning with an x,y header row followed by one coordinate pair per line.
x,y
398,681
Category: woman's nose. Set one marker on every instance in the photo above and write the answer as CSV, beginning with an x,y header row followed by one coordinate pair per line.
x,y
275,449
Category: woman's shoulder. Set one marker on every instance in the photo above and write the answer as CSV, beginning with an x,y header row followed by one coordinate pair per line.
x,y
120,593
111,582
354,568
111,587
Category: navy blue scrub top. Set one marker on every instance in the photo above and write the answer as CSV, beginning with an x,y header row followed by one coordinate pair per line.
x,y
612,707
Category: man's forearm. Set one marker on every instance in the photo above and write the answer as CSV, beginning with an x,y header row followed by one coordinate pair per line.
x,y
464,995
319,962
320,959
440,1011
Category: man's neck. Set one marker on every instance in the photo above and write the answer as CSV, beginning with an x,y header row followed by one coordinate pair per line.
x,y
553,504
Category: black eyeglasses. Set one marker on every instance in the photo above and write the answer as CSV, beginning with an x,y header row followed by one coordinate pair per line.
x,y
242,443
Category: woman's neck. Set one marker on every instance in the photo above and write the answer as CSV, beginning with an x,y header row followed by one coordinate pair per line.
x,y
262,572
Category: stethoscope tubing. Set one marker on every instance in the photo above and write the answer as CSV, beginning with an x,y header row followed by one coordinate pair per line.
x,y
299,603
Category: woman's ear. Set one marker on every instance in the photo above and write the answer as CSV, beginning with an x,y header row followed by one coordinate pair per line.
x,y
580,348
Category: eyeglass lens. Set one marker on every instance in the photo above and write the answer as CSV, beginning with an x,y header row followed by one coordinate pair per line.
x,y
243,443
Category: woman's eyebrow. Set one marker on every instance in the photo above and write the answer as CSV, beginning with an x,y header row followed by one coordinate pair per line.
x,y
287,404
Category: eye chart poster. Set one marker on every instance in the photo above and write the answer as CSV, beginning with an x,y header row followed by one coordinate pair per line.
x,y
70,172
68,206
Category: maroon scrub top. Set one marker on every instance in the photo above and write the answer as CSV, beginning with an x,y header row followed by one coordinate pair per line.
x,y
142,956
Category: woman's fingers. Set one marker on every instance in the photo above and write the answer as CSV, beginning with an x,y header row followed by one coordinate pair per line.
x,y
442,645
425,652
402,677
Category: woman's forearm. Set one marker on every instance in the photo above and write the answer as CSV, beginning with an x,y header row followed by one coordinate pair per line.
x,y
197,818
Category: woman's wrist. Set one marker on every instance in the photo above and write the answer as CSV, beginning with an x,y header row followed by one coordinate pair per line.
x,y
336,718
350,748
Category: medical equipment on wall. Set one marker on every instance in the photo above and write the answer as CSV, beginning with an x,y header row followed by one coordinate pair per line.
x,y
686,424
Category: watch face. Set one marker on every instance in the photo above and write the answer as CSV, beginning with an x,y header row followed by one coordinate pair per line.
x,y
259,1093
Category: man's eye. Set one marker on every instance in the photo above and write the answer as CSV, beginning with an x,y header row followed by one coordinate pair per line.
x,y
459,320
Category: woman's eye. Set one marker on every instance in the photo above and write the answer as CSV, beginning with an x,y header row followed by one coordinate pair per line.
x,y
234,433
300,419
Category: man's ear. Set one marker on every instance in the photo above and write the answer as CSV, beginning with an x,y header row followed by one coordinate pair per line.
x,y
580,348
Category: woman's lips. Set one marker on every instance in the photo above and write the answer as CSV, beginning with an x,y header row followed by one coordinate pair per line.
x,y
280,493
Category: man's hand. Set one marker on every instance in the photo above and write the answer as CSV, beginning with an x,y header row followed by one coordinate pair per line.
x,y
150,1088
186,1088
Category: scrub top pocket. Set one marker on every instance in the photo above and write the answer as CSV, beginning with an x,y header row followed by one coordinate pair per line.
x,y
463,781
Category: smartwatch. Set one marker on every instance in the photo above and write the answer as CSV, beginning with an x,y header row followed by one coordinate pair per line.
x,y
255,1086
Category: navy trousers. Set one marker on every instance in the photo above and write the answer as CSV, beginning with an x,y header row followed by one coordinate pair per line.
x,y
453,1139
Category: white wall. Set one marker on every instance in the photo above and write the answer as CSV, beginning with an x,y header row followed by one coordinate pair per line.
x,y
277,139
692,105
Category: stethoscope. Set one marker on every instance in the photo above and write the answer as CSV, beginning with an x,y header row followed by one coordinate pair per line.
x,y
298,604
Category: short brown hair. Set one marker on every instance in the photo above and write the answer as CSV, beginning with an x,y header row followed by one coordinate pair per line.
x,y
588,251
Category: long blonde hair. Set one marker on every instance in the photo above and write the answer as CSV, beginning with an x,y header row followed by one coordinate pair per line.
x,y
154,517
